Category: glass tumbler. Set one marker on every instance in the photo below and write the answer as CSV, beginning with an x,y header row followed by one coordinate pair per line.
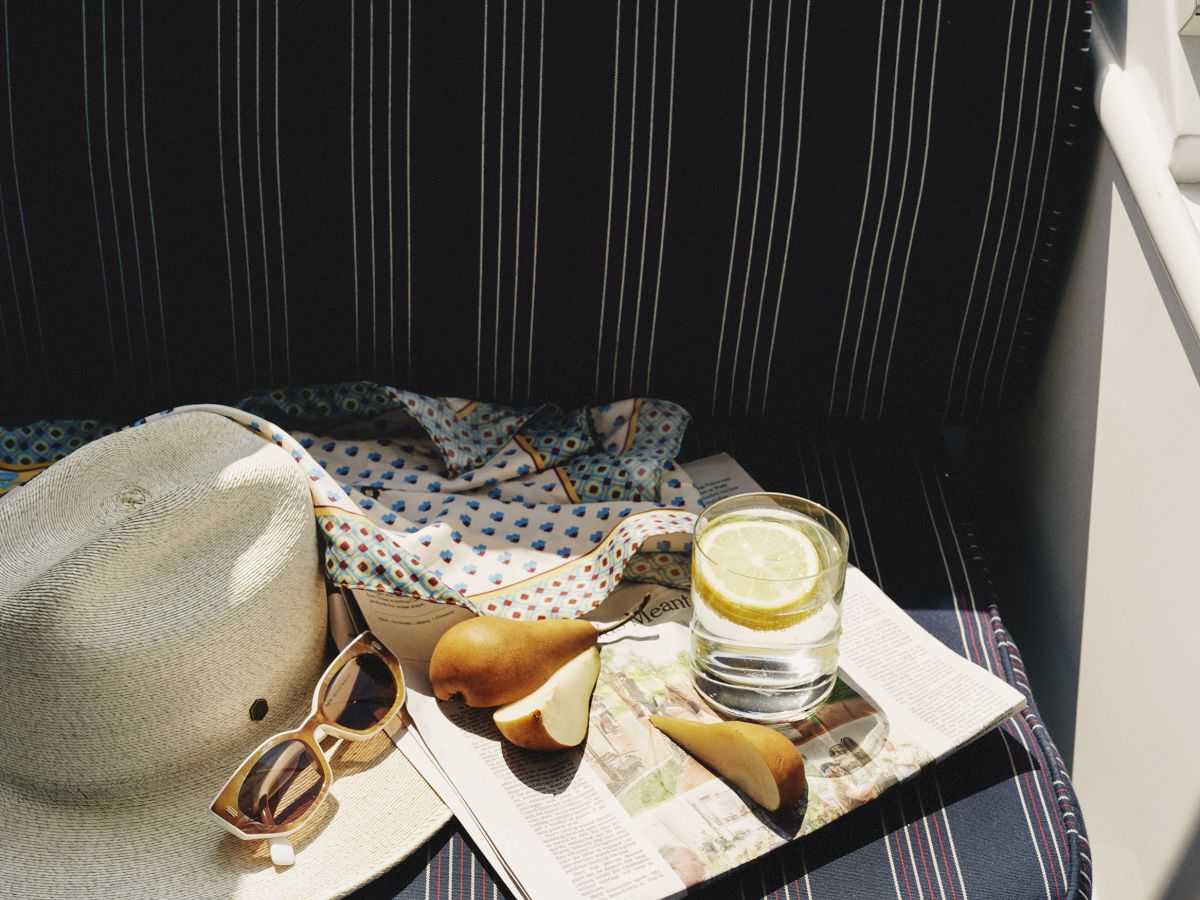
x,y
768,571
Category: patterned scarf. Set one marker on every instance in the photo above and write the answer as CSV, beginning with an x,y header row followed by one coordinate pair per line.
x,y
525,512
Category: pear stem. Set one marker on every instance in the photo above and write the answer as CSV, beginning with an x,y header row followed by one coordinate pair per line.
x,y
625,619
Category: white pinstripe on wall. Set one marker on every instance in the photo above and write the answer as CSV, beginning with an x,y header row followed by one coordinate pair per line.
x,y
287,341
363,173
737,210
242,192
774,254
1038,241
987,296
937,17
787,243
504,198
537,202
162,317
156,381
662,225
612,162
260,303
12,137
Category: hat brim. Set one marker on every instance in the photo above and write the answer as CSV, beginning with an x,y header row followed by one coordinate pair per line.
x,y
165,843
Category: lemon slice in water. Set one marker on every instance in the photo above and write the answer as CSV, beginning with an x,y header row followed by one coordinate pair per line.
x,y
757,573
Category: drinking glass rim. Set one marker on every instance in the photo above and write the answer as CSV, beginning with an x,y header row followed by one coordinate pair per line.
x,y
842,540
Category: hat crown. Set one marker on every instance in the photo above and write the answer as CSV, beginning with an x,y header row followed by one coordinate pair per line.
x,y
154,586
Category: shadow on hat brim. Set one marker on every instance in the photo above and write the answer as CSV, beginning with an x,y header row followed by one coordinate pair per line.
x,y
165,843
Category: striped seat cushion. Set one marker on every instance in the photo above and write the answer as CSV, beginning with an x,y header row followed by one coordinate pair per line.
x,y
997,819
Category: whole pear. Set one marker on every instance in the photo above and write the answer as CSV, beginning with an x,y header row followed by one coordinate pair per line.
x,y
489,661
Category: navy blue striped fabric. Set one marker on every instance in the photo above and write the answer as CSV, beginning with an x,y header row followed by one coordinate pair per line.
x,y
574,201
997,819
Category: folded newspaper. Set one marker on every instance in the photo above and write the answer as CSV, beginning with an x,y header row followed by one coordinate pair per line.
x,y
551,825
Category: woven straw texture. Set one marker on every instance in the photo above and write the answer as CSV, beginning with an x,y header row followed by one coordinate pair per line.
x,y
153,586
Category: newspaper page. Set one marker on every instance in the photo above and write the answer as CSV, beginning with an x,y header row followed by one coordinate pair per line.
x,y
630,813
410,743
719,476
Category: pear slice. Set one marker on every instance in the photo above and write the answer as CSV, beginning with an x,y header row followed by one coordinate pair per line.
x,y
554,716
757,759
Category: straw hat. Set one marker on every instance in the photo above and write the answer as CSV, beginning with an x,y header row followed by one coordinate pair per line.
x,y
154,586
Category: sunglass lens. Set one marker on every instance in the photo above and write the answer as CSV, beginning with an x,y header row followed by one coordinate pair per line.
x,y
281,786
360,693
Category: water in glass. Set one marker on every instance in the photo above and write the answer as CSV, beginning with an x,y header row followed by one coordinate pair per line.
x,y
767,577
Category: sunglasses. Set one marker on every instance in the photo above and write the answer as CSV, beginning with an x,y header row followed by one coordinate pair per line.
x,y
283,782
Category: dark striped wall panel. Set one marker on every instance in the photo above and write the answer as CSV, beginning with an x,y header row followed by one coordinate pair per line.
x,y
852,210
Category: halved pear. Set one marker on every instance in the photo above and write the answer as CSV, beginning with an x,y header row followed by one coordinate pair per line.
x,y
555,715
490,661
758,759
